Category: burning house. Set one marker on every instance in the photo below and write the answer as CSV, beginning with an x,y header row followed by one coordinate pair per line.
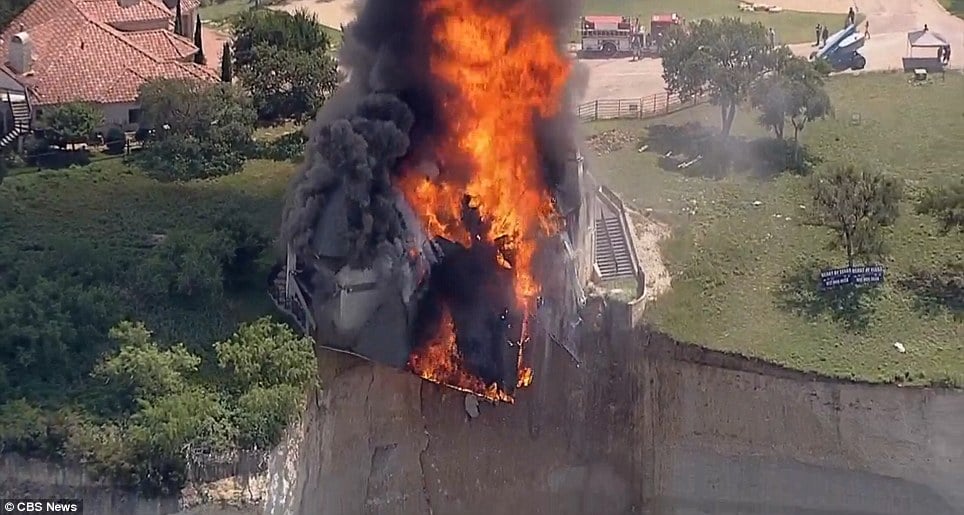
x,y
439,223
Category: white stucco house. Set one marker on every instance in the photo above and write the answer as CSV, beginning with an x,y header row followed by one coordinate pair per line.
x,y
94,51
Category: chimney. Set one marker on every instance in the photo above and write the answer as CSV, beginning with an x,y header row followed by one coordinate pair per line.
x,y
127,3
21,53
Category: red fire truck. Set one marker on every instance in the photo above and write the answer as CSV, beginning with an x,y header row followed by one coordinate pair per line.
x,y
610,36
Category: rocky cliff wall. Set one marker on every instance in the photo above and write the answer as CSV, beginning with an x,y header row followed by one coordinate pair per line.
x,y
643,425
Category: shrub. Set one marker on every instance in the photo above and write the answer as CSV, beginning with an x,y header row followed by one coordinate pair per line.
x,y
186,265
116,140
291,146
35,148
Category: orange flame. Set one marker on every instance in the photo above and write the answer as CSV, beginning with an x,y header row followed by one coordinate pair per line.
x,y
440,361
501,70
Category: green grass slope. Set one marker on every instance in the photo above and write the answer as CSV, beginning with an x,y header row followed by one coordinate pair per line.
x,y
743,273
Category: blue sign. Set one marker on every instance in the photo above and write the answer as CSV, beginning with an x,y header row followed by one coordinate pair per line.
x,y
868,274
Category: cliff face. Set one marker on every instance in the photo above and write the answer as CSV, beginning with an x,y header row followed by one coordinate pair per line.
x,y
643,425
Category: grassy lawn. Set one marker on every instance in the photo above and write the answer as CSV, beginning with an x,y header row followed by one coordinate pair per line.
x,y
743,263
117,209
218,12
954,6
790,26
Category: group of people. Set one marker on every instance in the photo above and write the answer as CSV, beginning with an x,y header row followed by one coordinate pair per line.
x,y
823,32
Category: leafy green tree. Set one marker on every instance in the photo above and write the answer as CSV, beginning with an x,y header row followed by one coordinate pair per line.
x,y
187,265
946,204
72,122
115,139
51,333
227,63
284,60
245,244
201,130
23,426
793,92
265,353
263,413
720,58
9,9
856,203
143,370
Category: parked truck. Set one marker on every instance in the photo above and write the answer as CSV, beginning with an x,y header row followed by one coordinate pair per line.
x,y
841,50
612,36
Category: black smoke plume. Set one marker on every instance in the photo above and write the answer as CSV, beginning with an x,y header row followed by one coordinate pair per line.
x,y
380,118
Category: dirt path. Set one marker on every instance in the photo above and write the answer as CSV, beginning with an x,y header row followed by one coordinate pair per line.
x,y
647,236
891,20
213,42
332,13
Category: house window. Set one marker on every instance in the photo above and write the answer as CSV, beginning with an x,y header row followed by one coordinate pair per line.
x,y
134,116
39,113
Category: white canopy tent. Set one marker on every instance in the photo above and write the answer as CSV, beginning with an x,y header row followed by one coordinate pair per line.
x,y
924,39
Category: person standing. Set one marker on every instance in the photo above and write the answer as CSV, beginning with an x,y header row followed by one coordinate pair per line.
x,y
947,54
773,37
851,17
826,34
818,36
867,29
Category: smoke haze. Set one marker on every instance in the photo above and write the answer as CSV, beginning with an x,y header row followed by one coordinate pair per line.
x,y
377,121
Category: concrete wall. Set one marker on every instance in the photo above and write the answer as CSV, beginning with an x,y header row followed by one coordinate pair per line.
x,y
644,425
118,114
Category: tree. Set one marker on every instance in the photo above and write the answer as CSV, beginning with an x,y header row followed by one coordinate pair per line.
x,y
265,354
793,92
946,203
73,122
201,130
140,370
178,25
186,265
283,60
719,58
857,203
199,56
115,139
227,66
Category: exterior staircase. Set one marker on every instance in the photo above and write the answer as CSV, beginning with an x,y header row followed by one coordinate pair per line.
x,y
613,257
21,122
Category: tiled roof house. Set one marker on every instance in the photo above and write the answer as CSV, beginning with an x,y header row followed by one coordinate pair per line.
x,y
96,51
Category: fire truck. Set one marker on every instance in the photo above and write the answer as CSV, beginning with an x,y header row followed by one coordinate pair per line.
x,y
610,36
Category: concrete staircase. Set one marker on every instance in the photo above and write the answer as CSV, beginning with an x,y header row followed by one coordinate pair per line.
x,y
613,257
21,122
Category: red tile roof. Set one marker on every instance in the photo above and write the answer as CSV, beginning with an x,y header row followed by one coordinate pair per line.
x,y
111,11
79,57
163,43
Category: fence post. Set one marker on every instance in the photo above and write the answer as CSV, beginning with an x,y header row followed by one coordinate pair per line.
x,y
595,115
641,107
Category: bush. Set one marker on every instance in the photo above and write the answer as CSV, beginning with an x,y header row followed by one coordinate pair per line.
x,y
23,427
264,412
116,140
291,146
35,148
186,265
142,134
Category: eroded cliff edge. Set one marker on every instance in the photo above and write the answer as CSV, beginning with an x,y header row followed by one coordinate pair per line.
x,y
643,425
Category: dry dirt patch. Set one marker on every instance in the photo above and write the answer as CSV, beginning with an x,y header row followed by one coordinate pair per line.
x,y
647,236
